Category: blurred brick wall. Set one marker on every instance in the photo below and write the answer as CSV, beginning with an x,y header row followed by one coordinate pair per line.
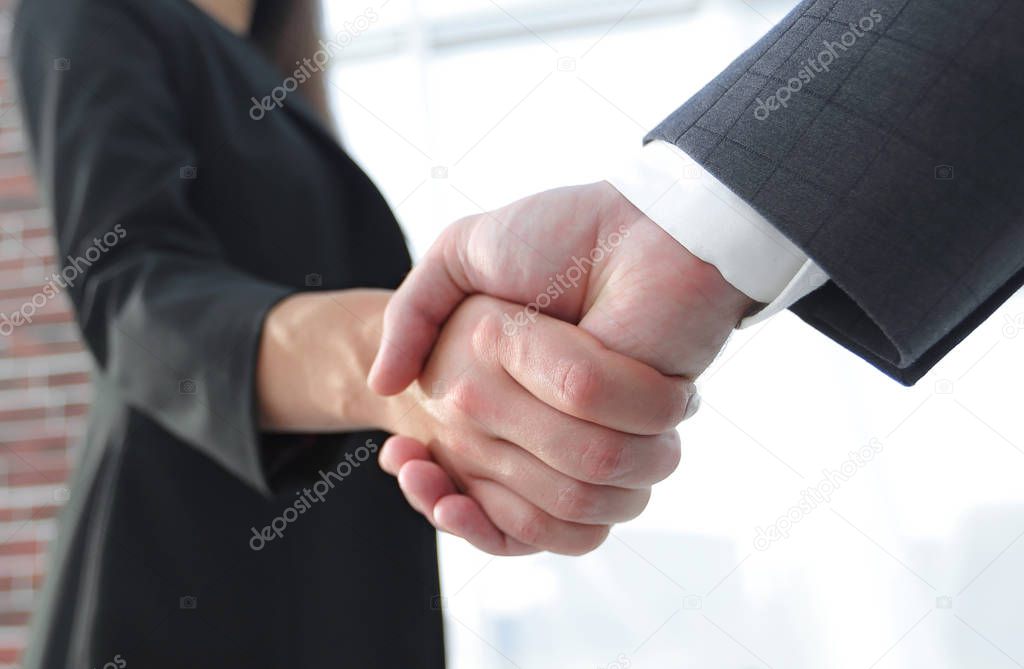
x,y
44,383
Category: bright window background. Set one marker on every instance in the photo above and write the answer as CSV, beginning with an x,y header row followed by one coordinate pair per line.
x,y
462,106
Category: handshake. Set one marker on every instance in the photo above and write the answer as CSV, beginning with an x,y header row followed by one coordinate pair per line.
x,y
549,349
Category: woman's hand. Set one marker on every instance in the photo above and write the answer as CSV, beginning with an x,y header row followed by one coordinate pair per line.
x,y
551,436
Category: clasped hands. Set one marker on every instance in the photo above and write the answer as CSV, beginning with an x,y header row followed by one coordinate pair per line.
x,y
537,427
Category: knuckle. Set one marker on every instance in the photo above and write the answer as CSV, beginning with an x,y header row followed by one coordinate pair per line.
x,y
579,502
601,535
530,526
579,385
465,398
645,499
592,539
669,454
605,461
465,224
452,238
672,411
486,335
460,449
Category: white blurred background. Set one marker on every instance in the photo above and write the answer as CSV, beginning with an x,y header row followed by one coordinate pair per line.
x,y
917,558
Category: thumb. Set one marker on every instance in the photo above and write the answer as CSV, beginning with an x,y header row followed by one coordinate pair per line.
x,y
416,312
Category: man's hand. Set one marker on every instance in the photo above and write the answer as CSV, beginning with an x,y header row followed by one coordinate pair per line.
x,y
584,255
512,422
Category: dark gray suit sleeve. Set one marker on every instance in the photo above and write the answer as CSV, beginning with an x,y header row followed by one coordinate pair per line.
x,y
886,139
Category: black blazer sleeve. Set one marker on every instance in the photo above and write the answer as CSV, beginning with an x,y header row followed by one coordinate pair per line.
x,y
898,169
168,320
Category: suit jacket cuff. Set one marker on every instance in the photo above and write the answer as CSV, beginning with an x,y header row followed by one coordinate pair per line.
x,y
719,227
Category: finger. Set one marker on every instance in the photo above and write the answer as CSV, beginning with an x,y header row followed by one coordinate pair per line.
x,y
462,516
527,524
423,483
398,450
429,490
416,312
555,493
574,447
572,371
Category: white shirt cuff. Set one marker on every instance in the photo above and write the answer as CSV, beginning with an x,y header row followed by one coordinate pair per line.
x,y
719,227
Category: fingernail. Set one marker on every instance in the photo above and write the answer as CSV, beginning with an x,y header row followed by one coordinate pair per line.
x,y
435,517
440,520
692,406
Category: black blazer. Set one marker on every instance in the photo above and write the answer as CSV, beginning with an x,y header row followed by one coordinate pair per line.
x,y
184,221
898,170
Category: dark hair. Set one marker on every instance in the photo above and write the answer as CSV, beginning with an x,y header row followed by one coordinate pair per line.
x,y
288,31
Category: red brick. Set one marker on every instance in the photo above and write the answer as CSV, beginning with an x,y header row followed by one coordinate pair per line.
x,y
37,477
14,618
15,547
31,513
39,426
74,379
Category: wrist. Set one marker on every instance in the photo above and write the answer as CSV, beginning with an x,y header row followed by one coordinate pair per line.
x,y
399,413
619,214
732,304
315,354
393,413
686,306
